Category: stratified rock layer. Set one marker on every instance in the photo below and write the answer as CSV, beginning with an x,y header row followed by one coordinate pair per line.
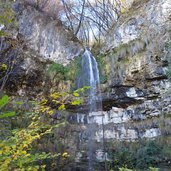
x,y
136,99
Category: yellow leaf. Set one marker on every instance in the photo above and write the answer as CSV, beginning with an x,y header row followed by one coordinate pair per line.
x,y
56,101
76,94
35,169
65,154
44,101
23,152
77,102
43,166
4,67
55,95
62,107
50,112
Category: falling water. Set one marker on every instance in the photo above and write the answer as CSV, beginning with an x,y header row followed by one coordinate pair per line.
x,y
90,77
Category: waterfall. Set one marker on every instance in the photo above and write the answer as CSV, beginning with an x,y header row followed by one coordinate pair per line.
x,y
90,77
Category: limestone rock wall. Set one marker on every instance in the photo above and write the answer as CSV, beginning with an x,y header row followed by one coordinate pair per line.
x,y
136,98
140,22
38,42
45,36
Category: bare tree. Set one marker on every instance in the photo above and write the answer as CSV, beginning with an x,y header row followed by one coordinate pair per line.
x,y
81,18
96,16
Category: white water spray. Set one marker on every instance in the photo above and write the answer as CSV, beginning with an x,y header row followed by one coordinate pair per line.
x,y
90,77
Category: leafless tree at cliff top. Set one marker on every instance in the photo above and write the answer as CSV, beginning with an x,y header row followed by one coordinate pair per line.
x,y
88,19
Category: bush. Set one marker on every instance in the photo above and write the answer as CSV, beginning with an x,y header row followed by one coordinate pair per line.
x,y
148,155
123,157
58,71
22,148
141,155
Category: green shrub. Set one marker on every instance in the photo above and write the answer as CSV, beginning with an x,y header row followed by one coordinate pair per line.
x,y
74,69
148,155
58,72
123,157
139,155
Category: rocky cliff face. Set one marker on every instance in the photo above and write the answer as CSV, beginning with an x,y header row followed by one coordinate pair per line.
x,y
136,97
45,36
139,82
38,42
